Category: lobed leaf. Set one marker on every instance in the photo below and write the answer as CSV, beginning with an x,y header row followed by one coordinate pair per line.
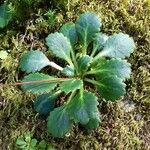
x,y
99,41
117,67
38,88
82,107
59,45
33,61
94,121
70,85
118,46
69,31
111,87
45,103
87,26
59,122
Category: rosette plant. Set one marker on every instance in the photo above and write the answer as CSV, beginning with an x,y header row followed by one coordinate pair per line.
x,y
94,63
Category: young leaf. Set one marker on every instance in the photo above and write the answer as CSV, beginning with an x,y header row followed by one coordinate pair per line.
x,y
83,63
60,46
38,88
82,106
45,103
99,42
118,46
42,145
111,87
69,31
116,67
33,61
59,122
5,15
20,142
70,85
87,26
33,143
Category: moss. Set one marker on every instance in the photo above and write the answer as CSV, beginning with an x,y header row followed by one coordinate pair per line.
x,y
119,129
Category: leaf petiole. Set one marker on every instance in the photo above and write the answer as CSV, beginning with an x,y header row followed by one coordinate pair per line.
x,y
97,57
74,61
54,65
93,72
40,81
94,51
71,96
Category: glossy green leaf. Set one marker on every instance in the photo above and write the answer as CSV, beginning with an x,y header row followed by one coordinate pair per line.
x,y
33,61
69,31
116,67
38,88
68,71
87,26
83,63
5,15
59,45
70,85
45,103
118,46
99,41
82,107
111,87
59,122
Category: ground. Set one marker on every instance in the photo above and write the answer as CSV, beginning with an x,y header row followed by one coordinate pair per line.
x,y
125,124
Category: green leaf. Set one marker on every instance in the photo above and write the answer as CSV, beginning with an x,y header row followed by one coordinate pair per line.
x,y
94,121
68,71
70,85
38,88
83,63
33,142
116,67
49,147
118,46
28,137
20,142
87,26
5,15
99,41
82,107
45,103
69,31
3,54
59,45
42,145
59,122
111,87
33,61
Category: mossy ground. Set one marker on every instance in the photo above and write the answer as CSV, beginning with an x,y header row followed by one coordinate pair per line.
x,y
125,124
